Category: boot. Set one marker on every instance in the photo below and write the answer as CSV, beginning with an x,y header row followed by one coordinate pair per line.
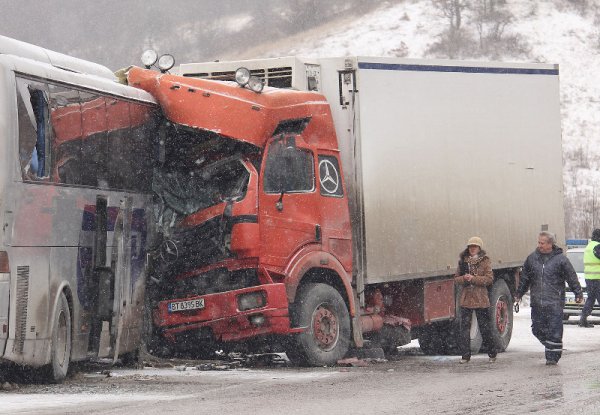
x,y
584,323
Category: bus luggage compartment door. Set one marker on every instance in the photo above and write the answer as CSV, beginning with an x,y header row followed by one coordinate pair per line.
x,y
4,291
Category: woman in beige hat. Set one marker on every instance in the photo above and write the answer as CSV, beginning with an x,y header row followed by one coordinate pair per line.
x,y
474,274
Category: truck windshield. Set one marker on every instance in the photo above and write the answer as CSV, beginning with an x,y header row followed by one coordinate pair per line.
x,y
188,191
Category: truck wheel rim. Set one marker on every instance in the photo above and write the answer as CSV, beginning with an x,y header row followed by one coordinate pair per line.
x,y
61,338
325,327
501,314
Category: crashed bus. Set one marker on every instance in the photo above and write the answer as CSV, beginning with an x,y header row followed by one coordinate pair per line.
x,y
75,205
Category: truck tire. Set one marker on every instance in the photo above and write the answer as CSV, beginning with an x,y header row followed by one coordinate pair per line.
x,y
453,333
60,350
442,338
432,339
322,310
501,314
390,337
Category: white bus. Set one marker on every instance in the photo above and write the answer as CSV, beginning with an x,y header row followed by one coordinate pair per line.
x,y
76,157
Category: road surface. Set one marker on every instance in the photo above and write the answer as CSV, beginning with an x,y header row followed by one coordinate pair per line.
x,y
411,383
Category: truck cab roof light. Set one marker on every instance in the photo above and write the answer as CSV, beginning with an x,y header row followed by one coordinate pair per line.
x,y
166,62
4,265
255,84
149,58
242,76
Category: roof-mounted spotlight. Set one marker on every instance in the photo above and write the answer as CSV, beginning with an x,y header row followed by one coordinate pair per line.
x,y
166,62
149,58
242,76
255,84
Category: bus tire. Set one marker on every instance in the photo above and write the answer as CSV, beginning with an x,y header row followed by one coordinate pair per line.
x,y
60,350
501,315
322,311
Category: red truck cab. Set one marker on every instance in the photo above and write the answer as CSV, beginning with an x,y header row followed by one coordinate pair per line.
x,y
256,236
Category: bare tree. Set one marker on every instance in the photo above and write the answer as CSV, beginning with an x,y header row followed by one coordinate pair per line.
x,y
454,40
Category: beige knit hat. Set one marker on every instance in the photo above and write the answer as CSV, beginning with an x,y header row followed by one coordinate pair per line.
x,y
475,240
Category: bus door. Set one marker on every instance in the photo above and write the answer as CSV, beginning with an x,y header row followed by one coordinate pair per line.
x,y
121,266
110,287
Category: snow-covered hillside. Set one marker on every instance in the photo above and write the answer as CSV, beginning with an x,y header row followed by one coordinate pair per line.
x,y
552,31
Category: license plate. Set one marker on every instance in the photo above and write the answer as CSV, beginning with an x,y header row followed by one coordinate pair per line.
x,y
186,305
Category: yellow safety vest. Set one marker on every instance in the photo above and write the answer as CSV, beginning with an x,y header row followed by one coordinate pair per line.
x,y
591,264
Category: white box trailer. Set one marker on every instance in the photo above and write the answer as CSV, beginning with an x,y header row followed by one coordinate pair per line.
x,y
435,151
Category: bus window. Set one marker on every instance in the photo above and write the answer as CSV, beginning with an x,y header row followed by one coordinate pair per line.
x,y
117,115
94,140
32,107
141,147
65,116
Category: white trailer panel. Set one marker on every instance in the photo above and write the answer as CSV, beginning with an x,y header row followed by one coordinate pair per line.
x,y
451,151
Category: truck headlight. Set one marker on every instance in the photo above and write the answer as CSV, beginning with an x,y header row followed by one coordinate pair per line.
x,y
248,301
166,62
149,58
242,76
255,84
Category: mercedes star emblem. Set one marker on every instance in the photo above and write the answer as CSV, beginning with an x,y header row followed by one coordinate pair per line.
x,y
168,251
330,179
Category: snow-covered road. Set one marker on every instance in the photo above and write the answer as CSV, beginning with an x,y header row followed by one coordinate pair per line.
x,y
518,382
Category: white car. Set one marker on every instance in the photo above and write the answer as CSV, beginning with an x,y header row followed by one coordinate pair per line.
x,y
575,255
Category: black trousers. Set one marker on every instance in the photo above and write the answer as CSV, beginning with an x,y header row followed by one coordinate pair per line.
x,y
547,326
483,321
593,295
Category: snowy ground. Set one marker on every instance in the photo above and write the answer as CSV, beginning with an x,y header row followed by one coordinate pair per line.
x,y
518,382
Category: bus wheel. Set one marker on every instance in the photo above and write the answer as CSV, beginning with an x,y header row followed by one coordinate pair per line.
x,y
501,314
322,311
60,352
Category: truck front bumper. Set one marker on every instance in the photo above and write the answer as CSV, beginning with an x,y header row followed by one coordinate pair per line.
x,y
221,314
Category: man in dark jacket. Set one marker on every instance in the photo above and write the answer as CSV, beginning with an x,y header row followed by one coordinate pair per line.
x,y
544,274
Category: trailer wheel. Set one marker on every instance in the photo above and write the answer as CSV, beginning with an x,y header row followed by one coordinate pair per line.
x,y
432,339
60,351
501,314
443,338
322,310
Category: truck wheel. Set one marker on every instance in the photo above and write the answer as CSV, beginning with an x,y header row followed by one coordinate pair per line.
x,y
501,314
390,337
452,336
322,310
60,351
432,339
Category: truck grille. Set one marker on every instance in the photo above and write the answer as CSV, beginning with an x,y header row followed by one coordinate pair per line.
x,y
275,77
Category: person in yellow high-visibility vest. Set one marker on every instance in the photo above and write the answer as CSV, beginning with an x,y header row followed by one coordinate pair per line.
x,y
591,269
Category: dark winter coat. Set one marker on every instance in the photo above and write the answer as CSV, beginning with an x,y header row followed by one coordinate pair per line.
x,y
546,280
475,293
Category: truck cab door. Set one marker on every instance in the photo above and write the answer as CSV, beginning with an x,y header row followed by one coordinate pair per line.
x,y
289,213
